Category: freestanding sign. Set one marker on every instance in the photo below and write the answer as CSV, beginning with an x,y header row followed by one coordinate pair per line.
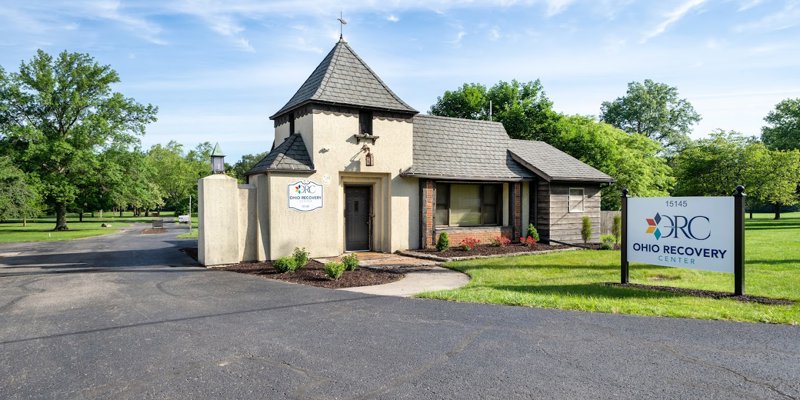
x,y
305,195
687,232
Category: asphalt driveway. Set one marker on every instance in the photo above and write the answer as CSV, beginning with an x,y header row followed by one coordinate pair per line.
x,y
129,316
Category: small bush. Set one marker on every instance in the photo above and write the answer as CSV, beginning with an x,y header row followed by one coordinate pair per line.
x,y
300,256
616,229
334,270
500,241
350,262
532,232
469,243
443,243
285,264
607,242
530,241
586,229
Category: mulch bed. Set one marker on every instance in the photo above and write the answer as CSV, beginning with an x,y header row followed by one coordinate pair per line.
x,y
487,250
706,293
314,274
154,231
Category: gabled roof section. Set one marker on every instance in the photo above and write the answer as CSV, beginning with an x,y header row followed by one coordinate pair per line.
x,y
552,164
343,78
462,149
289,156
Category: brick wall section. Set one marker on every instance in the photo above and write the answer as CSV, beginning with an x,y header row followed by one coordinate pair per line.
x,y
517,211
484,234
428,208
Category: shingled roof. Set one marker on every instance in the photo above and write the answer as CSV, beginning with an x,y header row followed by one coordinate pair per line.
x,y
462,149
289,156
343,78
455,148
553,164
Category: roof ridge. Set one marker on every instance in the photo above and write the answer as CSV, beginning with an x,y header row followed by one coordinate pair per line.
x,y
323,84
459,119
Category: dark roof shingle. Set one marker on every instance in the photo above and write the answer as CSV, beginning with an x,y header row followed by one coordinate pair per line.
x,y
463,149
291,156
553,164
344,78
456,148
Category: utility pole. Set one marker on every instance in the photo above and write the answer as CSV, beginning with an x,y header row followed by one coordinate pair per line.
x,y
190,213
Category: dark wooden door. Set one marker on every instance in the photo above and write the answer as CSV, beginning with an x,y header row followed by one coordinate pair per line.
x,y
357,211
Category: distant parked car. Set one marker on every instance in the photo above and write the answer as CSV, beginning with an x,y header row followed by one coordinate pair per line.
x,y
183,219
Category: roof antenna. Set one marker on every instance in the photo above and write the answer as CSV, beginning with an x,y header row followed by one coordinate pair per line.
x,y
342,23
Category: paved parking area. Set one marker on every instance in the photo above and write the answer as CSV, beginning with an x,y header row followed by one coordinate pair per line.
x,y
129,316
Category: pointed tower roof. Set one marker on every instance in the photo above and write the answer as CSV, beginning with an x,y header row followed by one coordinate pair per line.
x,y
343,78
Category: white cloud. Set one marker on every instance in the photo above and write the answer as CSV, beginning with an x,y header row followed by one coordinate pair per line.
x,y
393,18
672,18
555,7
788,17
748,4
494,34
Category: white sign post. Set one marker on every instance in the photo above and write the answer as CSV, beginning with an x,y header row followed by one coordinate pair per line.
x,y
687,232
305,196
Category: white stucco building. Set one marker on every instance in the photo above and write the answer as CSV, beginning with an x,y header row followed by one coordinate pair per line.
x,y
353,167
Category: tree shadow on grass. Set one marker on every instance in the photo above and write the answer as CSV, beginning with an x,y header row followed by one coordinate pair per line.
x,y
587,290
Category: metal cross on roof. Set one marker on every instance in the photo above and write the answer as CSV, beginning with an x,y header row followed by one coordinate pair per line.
x,y
342,23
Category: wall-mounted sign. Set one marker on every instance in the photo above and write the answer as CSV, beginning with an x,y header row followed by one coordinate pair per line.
x,y
686,232
305,196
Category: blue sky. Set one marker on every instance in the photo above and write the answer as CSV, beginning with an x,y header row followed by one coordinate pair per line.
x,y
217,69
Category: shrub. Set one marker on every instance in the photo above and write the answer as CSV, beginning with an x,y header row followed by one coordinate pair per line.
x,y
530,241
350,262
532,232
300,256
443,243
607,242
285,264
469,243
586,229
616,228
500,241
334,270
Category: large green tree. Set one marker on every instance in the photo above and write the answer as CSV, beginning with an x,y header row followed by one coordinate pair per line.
x,y
654,110
783,129
61,113
18,198
522,108
632,160
177,171
244,164
712,166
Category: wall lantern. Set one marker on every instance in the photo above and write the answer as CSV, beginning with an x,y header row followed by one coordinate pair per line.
x,y
369,158
217,160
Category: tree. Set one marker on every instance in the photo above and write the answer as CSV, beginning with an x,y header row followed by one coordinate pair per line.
x,y
62,112
654,110
244,164
522,108
632,160
18,199
783,131
774,175
712,166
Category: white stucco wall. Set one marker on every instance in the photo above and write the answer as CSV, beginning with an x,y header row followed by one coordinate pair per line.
x,y
339,161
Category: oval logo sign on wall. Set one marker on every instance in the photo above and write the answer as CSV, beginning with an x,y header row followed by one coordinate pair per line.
x,y
305,196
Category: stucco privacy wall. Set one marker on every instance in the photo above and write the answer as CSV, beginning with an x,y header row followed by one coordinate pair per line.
x,y
328,133
227,230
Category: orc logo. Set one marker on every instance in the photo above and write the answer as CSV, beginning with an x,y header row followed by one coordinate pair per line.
x,y
679,226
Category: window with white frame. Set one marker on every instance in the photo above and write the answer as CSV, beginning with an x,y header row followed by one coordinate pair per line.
x,y
576,200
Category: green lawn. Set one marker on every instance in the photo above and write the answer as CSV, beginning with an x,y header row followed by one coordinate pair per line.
x,y
41,230
575,280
